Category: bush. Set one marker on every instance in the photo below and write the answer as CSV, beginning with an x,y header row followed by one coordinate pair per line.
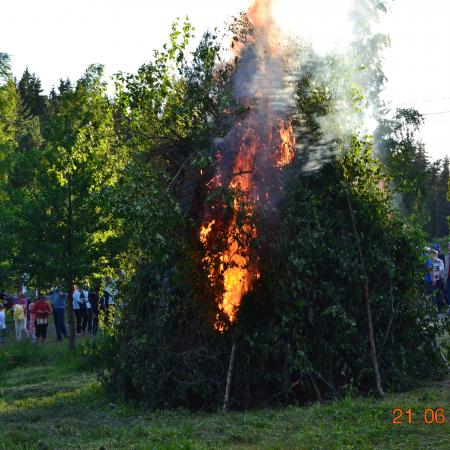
x,y
304,327
301,333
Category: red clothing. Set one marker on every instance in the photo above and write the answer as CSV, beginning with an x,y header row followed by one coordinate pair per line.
x,y
42,310
31,324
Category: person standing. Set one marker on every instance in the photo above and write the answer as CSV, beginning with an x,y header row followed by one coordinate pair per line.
x,y
109,295
441,256
82,300
121,289
88,309
76,309
21,300
438,282
42,311
447,274
20,321
440,253
58,299
429,281
2,324
32,321
93,298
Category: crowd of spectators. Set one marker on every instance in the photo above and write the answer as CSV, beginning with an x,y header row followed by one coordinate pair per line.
x,y
31,314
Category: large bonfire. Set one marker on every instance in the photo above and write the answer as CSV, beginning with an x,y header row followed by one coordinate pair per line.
x,y
250,158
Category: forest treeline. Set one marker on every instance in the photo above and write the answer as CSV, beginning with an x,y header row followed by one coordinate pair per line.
x,y
421,185
93,183
74,144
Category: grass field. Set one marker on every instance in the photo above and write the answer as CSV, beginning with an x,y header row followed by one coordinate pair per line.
x,y
50,400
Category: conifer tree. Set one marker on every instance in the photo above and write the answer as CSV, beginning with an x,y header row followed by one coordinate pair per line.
x,y
30,91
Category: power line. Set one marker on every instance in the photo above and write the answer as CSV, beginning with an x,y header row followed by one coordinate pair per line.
x,y
427,100
437,112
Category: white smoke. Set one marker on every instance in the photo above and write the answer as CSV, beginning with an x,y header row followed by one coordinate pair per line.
x,y
325,24
341,40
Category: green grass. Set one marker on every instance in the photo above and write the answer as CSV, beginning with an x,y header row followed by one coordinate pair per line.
x,y
49,400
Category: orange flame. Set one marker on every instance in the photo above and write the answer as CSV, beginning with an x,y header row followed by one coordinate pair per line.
x,y
285,150
260,14
205,231
266,143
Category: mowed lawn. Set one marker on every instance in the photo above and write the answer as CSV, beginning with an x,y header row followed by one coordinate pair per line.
x,y
50,400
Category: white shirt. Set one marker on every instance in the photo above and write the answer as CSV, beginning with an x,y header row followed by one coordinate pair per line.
x,y
75,298
88,303
2,320
438,268
112,291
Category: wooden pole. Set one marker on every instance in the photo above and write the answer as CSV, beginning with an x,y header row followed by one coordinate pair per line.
x,y
226,400
373,350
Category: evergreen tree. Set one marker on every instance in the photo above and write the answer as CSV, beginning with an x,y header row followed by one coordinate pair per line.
x,y
8,114
432,226
438,204
406,160
64,86
20,159
30,91
444,204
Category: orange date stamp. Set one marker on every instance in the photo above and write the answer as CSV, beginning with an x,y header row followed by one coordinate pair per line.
x,y
428,416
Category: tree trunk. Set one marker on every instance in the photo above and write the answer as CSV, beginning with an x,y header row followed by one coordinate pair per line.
x,y
72,333
373,350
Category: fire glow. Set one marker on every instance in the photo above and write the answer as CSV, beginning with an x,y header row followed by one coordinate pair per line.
x,y
250,157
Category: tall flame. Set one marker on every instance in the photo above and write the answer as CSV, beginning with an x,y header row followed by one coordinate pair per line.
x,y
253,153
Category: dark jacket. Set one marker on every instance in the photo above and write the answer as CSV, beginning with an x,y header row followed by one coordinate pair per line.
x,y
93,300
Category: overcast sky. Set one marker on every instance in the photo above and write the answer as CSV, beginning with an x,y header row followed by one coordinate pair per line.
x,y
60,38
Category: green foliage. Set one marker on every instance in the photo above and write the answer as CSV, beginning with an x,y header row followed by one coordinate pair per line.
x,y
421,186
83,160
9,106
438,206
168,115
30,91
26,355
69,409
304,323
303,327
309,300
92,184
405,158
71,151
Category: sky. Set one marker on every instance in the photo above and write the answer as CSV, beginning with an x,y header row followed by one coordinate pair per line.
x,y
60,38
418,66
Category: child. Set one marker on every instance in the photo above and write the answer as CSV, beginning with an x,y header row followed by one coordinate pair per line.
x,y
20,321
2,324
31,322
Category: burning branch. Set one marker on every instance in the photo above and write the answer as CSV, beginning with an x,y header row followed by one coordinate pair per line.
x,y
260,143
